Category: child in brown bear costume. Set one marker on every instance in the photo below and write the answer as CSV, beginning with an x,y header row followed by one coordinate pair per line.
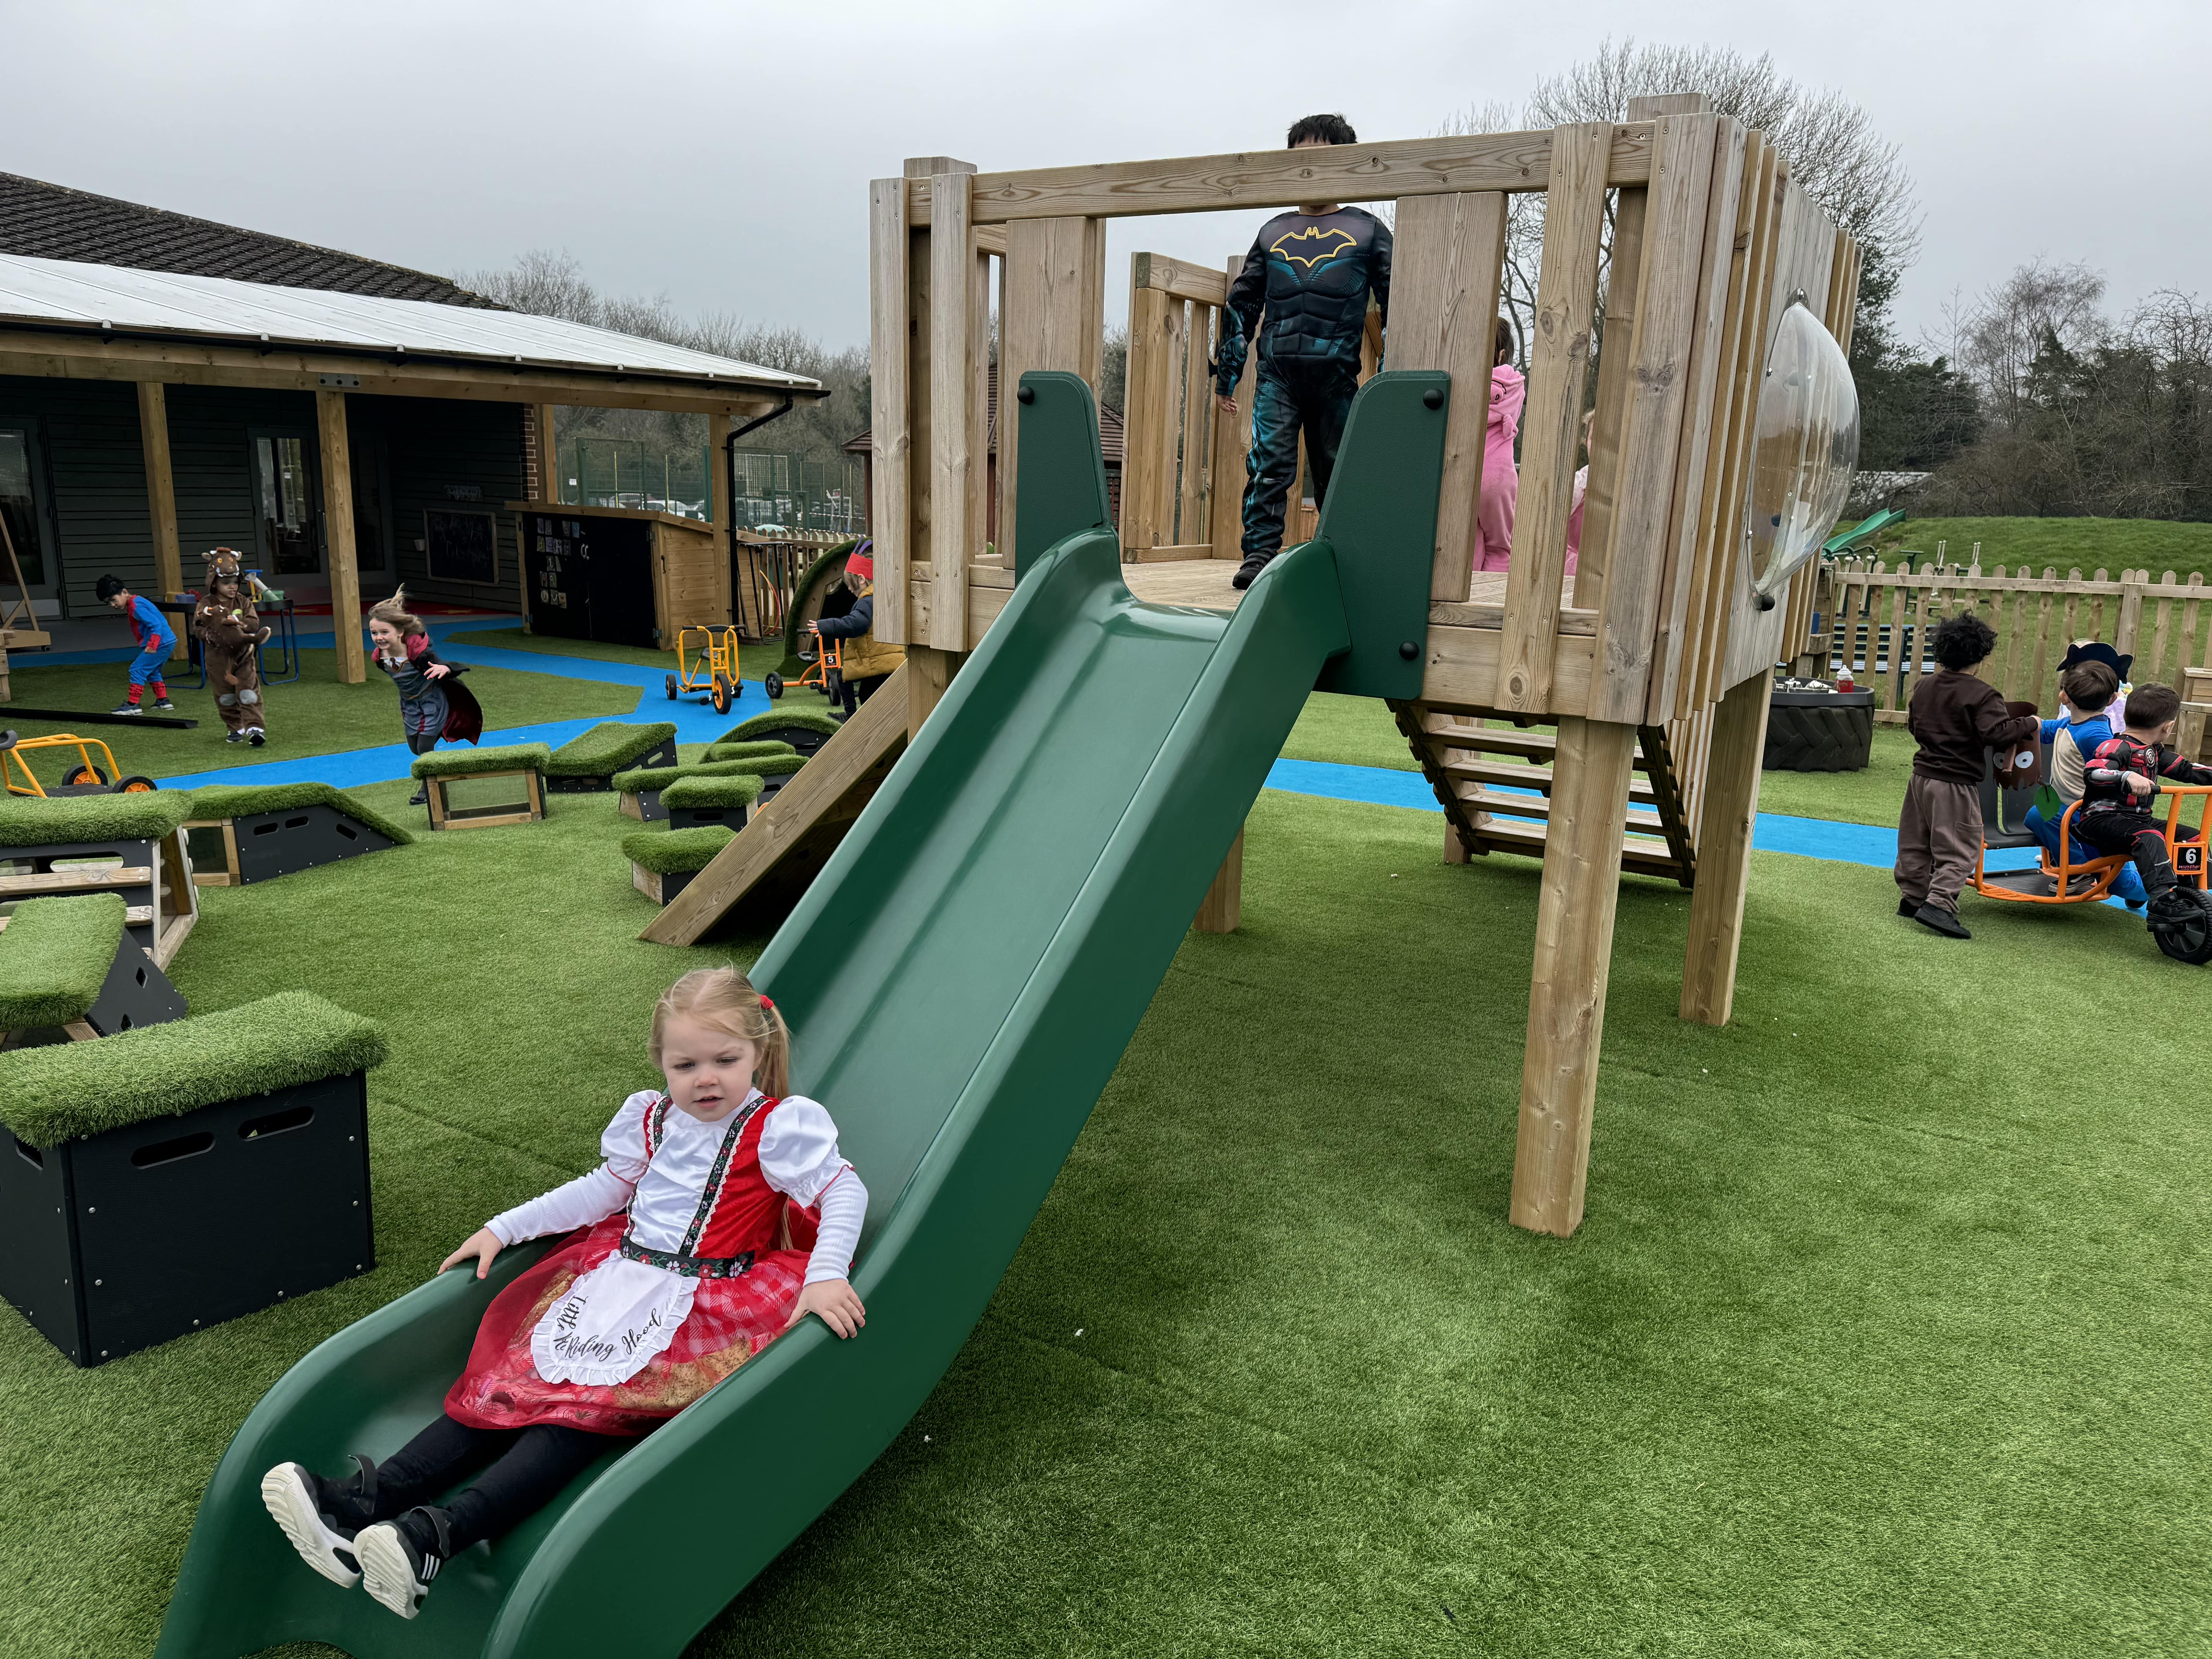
x,y
230,633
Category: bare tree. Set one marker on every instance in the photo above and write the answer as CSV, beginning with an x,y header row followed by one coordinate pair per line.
x,y
1997,338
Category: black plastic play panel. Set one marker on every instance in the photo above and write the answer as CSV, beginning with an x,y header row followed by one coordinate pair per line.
x,y
141,1234
589,578
803,738
283,844
1819,731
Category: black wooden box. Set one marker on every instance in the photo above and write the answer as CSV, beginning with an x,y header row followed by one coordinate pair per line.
x,y
130,1237
282,843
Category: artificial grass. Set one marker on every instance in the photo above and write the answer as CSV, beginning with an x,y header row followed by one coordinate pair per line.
x,y
313,715
54,958
607,748
1875,1341
238,800
760,766
779,720
1351,732
731,789
146,815
468,763
67,1091
734,752
671,852
646,778
1875,794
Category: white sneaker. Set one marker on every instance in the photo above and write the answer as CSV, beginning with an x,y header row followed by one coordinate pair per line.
x,y
395,1573
288,1492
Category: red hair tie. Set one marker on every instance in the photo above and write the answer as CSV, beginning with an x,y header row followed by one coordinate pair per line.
x,y
765,1003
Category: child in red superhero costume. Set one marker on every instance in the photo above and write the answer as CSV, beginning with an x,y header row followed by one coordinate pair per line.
x,y
672,1276
2118,781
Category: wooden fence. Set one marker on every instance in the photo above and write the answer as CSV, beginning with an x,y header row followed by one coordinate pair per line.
x,y
768,568
1877,622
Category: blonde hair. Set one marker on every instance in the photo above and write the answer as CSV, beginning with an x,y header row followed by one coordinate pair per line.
x,y
394,612
724,999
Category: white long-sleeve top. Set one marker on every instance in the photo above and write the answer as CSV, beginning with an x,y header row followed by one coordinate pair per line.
x,y
798,1158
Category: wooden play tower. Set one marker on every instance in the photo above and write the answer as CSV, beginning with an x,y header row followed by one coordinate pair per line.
x,y
1649,665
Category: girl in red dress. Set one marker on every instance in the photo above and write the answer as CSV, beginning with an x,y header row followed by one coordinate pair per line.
x,y
677,1269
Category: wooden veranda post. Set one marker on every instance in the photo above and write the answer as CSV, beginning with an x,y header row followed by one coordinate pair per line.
x,y
162,497
1731,806
337,520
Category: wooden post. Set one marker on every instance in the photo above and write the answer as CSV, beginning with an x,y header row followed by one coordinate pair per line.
x,y
719,510
1148,423
1231,448
928,673
1056,296
1575,907
1222,907
162,498
890,471
338,521
1730,807
956,459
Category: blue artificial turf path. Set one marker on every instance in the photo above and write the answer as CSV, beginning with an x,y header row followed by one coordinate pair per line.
x,y
697,722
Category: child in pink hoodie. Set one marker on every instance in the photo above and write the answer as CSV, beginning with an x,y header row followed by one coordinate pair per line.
x,y
1501,482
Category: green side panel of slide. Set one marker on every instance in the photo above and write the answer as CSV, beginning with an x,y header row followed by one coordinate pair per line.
x,y
963,978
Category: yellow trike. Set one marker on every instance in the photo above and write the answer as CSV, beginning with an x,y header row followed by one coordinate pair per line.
x,y
86,777
706,661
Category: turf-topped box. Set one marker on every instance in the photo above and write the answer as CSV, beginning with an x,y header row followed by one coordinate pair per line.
x,y
693,801
177,1175
773,771
588,764
663,862
69,971
441,768
804,729
641,789
129,845
249,833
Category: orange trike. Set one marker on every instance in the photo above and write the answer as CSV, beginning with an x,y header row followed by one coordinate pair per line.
x,y
2064,879
822,670
88,777
706,661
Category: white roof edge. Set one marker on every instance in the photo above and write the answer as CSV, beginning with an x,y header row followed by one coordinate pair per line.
x,y
67,294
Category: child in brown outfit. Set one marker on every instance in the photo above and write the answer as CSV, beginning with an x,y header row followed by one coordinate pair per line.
x,y
1956,719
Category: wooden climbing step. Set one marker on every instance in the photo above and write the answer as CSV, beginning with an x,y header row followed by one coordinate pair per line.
x,y
1493,779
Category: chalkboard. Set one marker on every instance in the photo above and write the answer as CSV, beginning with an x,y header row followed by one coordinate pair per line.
x,y
461,546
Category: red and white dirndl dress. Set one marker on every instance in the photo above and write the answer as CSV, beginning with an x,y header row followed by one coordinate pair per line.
x,y
736,1281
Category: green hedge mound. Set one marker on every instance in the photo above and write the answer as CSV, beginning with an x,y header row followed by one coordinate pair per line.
x,y
779,720
461,763
730,751
68,1091
607,748
742,789
672,852
763,766
240,800
659,777
54,958
57,820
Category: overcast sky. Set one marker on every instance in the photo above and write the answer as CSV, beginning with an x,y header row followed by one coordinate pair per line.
x,y
719,154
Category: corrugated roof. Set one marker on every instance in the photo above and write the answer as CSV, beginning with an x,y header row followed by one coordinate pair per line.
x,y
53,221
62,291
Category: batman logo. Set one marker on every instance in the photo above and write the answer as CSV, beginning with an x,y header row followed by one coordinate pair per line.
x,y
1328,244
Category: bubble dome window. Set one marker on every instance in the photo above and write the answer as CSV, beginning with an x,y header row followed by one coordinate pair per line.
x,y
1805,448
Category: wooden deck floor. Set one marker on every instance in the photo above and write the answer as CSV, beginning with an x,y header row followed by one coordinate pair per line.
x,y
1204,584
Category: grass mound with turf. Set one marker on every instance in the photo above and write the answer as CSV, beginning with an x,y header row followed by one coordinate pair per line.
x,y
734,751
673,852
646,778
467,762
238,800
777,720
54,958
607,748
68,1091
28,821
733,789
763,766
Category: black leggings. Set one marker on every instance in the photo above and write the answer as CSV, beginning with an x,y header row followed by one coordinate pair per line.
x,y
522,1471
2135,834
852,693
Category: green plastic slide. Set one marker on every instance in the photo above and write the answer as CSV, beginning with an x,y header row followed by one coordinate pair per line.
x,y
963,977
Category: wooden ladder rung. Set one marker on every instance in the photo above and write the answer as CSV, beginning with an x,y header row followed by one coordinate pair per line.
x,y
1493,740
1529,839
1476,799
1527,777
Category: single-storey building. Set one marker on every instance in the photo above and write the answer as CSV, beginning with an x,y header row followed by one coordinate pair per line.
x,y
169,385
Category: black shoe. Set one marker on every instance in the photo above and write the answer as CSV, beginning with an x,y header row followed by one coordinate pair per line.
x,y
1250,568
1909,909
163,704
256,736
233,737
126,709
1937,920
321,1516
399,1558
421,797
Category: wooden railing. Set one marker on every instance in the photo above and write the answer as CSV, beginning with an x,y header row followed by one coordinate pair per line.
x,y
1878,621
767,573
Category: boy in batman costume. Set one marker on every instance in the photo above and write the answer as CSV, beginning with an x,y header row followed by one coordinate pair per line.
x,y
1304,290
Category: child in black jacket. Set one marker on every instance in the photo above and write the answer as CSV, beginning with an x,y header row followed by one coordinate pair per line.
x,y
2118,782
